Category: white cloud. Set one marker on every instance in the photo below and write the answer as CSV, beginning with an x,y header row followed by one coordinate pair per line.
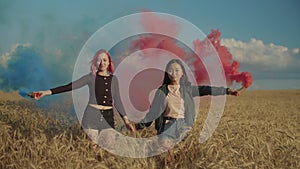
x,y
296,50
260,55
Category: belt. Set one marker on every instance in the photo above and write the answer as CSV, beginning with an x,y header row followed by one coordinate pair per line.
x,y
171,118
100,107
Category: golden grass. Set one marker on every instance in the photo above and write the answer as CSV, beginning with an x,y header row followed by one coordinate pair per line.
x,y
259,129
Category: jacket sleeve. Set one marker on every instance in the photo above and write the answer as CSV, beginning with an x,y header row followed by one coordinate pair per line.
x,y
208,90
116,97
71,86
156,109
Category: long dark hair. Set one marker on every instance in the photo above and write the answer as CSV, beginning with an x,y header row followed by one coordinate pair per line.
x,y
183,80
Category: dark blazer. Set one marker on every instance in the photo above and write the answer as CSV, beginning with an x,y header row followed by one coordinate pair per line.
x,y
187,92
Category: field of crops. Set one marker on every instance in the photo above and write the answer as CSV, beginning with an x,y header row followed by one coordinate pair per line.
x,y
259,129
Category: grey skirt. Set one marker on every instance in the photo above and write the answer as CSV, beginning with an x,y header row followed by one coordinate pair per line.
x,y
97,119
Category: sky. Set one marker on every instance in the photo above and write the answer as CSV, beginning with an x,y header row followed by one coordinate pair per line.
x,y
263,36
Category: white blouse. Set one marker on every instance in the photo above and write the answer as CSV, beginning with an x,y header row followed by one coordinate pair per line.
x,y
175,104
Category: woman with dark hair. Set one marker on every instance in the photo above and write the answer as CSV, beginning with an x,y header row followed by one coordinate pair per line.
x,y
173,107
103,94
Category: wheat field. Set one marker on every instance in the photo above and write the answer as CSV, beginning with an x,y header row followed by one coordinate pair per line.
x,y
259,129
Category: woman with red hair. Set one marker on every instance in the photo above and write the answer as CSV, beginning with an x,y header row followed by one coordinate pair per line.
x,y
103,95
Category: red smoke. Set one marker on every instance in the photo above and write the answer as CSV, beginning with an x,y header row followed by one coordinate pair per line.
x,y
141,85
151,23
230,66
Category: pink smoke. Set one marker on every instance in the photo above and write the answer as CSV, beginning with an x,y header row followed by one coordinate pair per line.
x,y
151,22
150,79
230,66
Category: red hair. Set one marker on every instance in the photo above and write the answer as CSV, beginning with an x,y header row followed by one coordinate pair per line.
x,y
94,62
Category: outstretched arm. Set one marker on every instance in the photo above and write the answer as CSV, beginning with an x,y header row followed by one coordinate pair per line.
x,y
65,88
214,91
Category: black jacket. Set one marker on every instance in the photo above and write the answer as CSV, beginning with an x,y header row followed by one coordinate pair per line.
x,y
187,92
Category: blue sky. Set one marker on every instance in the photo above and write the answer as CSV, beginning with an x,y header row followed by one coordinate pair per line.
x,y
262,35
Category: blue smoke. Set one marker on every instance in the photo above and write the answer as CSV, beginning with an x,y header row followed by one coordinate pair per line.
x,y
23,92
25,72
24,69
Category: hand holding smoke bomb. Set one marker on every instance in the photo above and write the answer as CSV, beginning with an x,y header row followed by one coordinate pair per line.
x,y
234,92
39,94
34,95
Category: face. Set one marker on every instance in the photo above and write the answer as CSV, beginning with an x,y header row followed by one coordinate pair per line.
x,y
175,72
102,62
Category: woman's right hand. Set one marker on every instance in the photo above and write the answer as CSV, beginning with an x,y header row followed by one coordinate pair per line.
x,y
128,124
40,94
